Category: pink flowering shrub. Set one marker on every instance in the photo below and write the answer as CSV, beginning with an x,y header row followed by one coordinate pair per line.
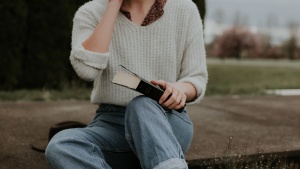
x,y
237,43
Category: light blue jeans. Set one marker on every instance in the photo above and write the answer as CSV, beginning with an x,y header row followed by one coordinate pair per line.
x,y
142,134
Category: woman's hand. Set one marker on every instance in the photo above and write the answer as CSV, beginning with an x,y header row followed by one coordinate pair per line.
x,y
175,90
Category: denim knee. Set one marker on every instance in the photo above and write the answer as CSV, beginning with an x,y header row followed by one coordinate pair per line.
x,y
51,152
140,103
54,147
137,112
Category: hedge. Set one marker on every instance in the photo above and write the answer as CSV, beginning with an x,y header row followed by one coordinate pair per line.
x,y
35,43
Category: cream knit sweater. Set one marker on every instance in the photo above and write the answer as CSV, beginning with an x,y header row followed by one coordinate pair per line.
x,y
171,49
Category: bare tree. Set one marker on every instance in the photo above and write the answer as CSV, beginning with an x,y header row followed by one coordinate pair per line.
x,y
240,20
291,44
271,23
219,16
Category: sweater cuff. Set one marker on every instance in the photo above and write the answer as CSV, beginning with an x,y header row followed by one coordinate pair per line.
x,y
200,88
92,59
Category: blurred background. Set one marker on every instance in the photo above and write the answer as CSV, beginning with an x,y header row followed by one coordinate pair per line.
x,y
263,29
252,47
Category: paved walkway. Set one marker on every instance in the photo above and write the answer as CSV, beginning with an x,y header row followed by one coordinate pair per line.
x,y
250,124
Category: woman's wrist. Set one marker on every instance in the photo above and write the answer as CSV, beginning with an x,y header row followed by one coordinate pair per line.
x,y
188,89
115,4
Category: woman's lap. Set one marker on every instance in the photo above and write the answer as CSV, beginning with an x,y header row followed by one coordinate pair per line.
x,y
107,133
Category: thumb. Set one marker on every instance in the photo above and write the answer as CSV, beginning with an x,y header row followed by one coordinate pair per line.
x,y
160,83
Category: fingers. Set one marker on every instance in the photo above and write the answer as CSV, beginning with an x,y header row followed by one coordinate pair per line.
x,y
161,83
181,104
172,100
173,97
168,92
175,102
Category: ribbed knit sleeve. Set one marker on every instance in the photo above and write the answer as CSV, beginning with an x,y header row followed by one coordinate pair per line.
x,y
193,66
87,64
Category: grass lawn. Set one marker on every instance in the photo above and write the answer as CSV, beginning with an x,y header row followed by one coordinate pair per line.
x,y
226,77
252,78
74,93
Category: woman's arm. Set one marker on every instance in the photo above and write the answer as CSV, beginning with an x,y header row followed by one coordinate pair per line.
x,y
191,84
99,40
91,35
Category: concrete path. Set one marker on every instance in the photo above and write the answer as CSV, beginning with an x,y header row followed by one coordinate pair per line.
x,y
245,125
251,125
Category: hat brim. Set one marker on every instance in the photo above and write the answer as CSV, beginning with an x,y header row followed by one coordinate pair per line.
x,y
41,144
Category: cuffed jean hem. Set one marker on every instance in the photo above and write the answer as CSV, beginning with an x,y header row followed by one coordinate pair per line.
x,y
173,163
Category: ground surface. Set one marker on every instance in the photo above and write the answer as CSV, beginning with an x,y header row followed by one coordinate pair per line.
x,y
254,124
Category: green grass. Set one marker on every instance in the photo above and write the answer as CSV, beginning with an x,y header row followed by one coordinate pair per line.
x,y
73,93
227,79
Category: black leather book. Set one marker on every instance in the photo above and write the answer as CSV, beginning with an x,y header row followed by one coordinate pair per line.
x,y
132,81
